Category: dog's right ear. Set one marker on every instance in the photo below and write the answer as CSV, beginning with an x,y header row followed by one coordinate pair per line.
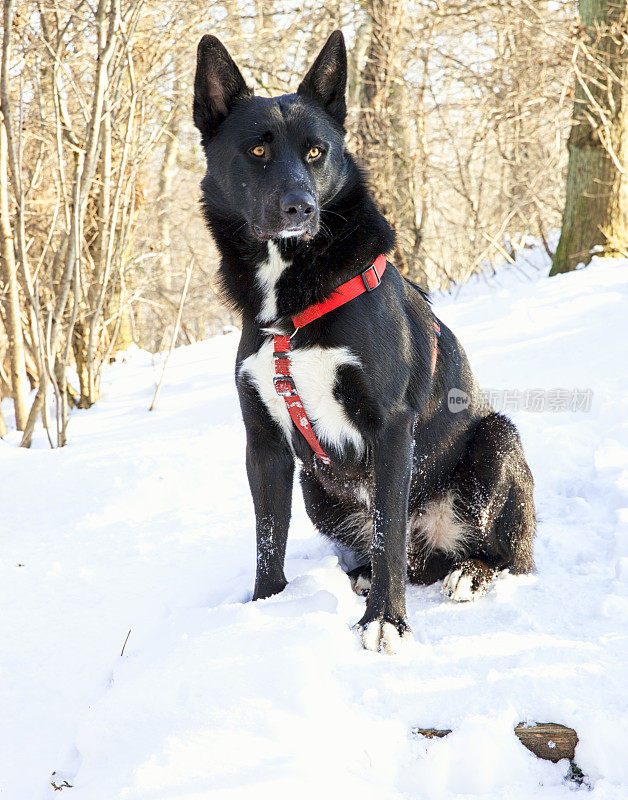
x,y
217,86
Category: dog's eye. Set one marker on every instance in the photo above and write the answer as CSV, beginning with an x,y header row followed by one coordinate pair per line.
x,y
314,153
259,151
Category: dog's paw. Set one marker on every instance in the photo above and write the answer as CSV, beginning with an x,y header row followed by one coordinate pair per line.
x,y
360,578
383,636
470,580
268,588
361,585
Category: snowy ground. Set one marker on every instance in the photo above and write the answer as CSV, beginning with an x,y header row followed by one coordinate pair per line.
x,y
144,523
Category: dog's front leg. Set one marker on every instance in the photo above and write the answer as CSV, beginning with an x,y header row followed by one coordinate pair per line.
x,y
384,622
270,469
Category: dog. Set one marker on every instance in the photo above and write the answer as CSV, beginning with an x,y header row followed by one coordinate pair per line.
x,y
342,367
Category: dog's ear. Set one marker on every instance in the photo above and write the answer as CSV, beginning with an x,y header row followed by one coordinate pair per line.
x,y
217,86
326,80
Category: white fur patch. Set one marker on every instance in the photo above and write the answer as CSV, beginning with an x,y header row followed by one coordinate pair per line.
x,y
268,273
364,497
382,637
314,371
438,526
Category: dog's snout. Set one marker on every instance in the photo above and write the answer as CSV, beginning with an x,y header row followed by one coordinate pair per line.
x,y
298,205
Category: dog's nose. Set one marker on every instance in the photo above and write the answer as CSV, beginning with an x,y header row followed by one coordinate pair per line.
x,y
298,205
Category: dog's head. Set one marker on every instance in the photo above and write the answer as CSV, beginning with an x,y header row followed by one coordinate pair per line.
x,y
274,162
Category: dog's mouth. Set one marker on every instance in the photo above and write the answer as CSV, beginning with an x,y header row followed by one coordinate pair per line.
x,y
303,232
290,233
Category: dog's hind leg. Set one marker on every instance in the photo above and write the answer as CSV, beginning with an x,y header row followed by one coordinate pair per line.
x,y
493,497
347,520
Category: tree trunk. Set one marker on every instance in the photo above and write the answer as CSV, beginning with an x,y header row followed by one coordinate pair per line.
x,y
9,278
80,339
119,329
387,143
596,205
164,199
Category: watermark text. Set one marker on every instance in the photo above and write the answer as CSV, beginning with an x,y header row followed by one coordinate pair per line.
x,y
555,400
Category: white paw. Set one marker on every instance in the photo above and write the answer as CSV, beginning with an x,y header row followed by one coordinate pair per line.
x,y
468,582
383,637
361,585
458,587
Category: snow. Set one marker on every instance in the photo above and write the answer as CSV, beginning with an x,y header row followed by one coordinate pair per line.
x,y
144,523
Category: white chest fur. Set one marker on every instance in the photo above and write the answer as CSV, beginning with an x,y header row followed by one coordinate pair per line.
x,y
314,373
268,273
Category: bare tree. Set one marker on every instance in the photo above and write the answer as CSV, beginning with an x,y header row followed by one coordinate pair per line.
x,y
596,207
82,117
9,269
387,139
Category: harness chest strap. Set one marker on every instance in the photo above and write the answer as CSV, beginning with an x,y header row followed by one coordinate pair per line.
x,y
284,386
366,281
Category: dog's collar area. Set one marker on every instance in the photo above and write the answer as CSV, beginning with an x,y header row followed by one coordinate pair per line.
x,y
371,277
367,281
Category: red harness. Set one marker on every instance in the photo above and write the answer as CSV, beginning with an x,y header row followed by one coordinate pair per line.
x,y
366,281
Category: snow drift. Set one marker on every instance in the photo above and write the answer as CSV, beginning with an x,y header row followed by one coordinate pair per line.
x,y
144,524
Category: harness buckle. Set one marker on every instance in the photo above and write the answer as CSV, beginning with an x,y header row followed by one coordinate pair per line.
x,y
367,285
288,389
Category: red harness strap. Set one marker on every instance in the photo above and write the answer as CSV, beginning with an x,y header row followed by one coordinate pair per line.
x,y
435,345
284,386
366,281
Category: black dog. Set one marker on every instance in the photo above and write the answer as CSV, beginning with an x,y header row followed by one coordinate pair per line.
x,y
359,395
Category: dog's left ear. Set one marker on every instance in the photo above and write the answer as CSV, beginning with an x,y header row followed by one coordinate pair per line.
x,y
326,80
